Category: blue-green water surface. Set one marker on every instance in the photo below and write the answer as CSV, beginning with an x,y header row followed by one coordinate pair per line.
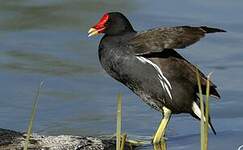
x,y
47,40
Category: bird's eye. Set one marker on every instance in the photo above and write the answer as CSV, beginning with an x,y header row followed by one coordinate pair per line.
x,y
108,22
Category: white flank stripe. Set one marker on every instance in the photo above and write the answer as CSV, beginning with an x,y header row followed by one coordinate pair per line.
x,y
162,83
167,89
142,59
166,81
163,80
197,110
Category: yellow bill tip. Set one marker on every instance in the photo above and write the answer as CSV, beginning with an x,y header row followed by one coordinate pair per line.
x,y
92,31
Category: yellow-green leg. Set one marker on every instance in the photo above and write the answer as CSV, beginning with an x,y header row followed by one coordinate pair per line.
x,y
162,146
160,133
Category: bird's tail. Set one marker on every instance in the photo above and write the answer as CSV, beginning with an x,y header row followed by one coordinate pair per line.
x,y
211,30
197,114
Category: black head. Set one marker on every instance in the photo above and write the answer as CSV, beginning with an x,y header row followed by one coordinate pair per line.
x,y
113,23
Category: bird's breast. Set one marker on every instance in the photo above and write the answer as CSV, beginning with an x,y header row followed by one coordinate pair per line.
x,y
114,62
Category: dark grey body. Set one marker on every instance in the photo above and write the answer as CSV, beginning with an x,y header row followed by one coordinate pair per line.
x,y
121,62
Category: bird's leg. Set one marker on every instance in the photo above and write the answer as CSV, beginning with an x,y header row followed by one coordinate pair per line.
x,y
162,127
161,146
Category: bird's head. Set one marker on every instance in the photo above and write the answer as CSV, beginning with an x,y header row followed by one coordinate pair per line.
x,y
113,23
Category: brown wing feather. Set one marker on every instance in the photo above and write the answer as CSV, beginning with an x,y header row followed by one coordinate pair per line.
x,y
184,68
155,40
203,79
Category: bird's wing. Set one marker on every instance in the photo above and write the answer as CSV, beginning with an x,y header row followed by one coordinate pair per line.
x,y
182,69
158,39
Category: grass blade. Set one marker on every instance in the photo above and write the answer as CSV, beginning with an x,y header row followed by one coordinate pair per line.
x,y
32,117
202,109
123,141
207,112
119,122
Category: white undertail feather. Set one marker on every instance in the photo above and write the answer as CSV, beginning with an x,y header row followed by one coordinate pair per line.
x,y
197,110
163,80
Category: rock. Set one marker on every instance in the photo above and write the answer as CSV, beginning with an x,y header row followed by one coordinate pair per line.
x,y
12,140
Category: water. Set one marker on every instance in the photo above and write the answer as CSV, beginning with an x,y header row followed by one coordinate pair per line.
x,y
47,40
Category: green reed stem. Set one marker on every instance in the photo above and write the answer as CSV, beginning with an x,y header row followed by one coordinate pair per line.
x,y
32,117
123,140
119,122
207,112
202,109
